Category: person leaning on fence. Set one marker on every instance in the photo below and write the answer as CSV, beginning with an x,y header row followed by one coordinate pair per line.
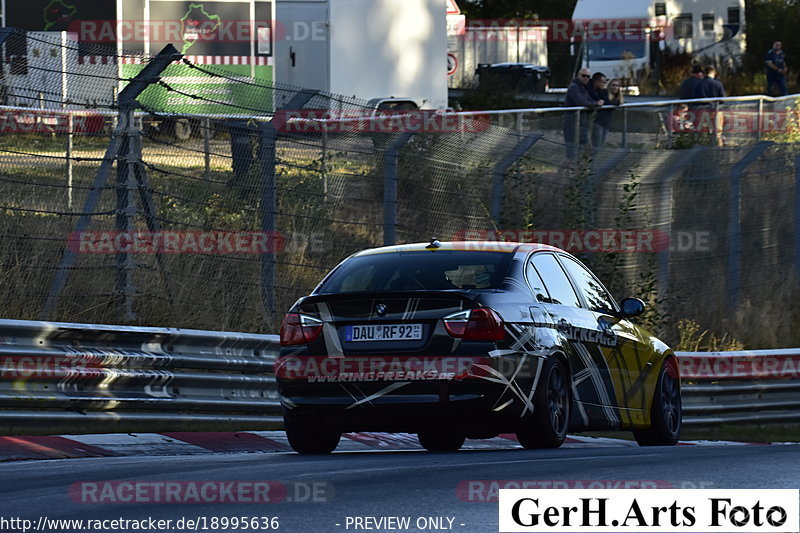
x,y
578,96
611,95
711,87
776,70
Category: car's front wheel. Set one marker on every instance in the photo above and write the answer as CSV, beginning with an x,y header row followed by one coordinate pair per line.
x,y
547,427
306,438
666,415
440,440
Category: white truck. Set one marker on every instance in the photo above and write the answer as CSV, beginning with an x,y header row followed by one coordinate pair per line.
x,y
703,28
374,50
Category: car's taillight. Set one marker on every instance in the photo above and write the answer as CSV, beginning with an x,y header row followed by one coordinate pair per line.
x,y
299,329
481,324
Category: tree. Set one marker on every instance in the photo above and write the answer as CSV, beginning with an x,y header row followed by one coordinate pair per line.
x,y
768,21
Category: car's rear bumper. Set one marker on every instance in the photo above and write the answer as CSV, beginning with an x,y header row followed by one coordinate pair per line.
x,y
480,413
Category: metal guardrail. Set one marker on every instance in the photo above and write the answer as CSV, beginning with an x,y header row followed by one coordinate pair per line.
x,y
747,387
89,378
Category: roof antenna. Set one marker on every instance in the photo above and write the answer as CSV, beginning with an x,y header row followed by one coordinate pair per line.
x,y
435,244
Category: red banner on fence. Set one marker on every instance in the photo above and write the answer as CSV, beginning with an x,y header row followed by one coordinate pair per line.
x,y
35,121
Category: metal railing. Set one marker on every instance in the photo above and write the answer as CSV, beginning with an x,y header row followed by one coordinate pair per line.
x,y
747,387
88,378
744,119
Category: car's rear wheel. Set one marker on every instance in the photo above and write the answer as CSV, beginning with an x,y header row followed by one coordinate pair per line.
x,y
666,415
306,438
440,440
547,426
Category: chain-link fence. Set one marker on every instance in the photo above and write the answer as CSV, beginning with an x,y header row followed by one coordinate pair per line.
x,y
215,203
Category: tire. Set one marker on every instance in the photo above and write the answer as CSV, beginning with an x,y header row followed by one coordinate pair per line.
x,y
547,426
438,440
667,412
309,439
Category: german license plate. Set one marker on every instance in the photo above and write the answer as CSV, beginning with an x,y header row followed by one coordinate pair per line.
x,y
383,332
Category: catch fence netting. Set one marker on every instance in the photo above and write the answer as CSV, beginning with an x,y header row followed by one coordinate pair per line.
x,y
283,196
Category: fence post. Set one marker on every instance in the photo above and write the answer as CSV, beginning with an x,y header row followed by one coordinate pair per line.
x,y
671,124
760,118
576,138
127,97
665,216
126,209
499,174
624,127
267,148
390,161
70,128
207,147
735,221
324,162
268,137
797,215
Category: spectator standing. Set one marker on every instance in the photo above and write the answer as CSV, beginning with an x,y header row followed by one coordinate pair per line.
x,y
776,70
611,95
711,87
578,96
688,85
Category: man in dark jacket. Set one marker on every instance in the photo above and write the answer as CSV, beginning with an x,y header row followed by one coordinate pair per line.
x,y
578,96
776,70
688,85
710,87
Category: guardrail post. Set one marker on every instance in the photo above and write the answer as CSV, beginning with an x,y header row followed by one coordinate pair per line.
x,y
127,100
390,161
735,221
499,174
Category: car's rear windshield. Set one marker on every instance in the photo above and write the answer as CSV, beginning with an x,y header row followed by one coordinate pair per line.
x,y
416,271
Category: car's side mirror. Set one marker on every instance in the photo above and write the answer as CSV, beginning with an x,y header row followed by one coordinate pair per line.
x,y
632,307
